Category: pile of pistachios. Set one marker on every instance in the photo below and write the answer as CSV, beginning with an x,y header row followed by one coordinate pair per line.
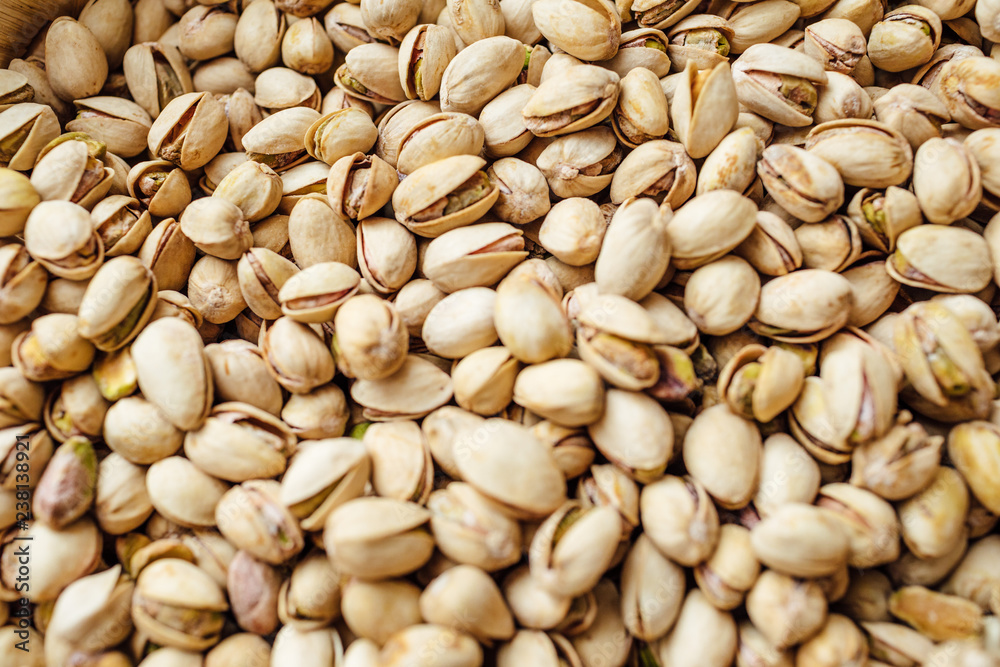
x,y
504,333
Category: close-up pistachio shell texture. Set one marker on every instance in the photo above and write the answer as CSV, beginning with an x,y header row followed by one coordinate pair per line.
x,y
499,333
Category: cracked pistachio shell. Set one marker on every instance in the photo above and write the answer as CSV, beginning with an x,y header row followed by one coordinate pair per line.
x,y
412,644
635,433
913,111
159,186
314,294
580,164
387,253
467,86
240,374
658,169
120,124
52,349
801,541
262,273
524,193
615,336
900,463
528,317
933,521
905,38
573,231
470,528
25,129
252,587
15,88
865,152
437,137
251,517
869,522
21,400
306,48
60,236
238,442
461,323
810,421
241,648
771,79
39,451
70,171
424,54
645,48
444,195
882,216
785,610
206,32
138,431
190,131
709,226
172,587
279,141
719,313
310,598
566,391
371,342
122,224
376,538
704,39
359,185
704,107
69,554
689,535
173,372
718,435
573,547
321,413
22,283
973,449
586,29
804,306
473,256
572,447
191,502
731,571
253,187
74,60
217,227
484,380
468,600
19,197
754,649
509,465
636,249
837,43
76,408
691,643
280,88
66,489
258,36
119,300
895,642
415,390
960,262
833,244
771,248
371,73
296,355
652,591
861,384
760,383
937,616
504,130
401,462
788,474
156,74
91,614
321,476
340,133
563,105
389,21
641,112
974,579
396,122
806,186
946,180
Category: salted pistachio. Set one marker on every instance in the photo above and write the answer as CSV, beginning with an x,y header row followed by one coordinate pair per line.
x,y
573,547
262,273
437,137
659,169
36,452
401,462
972,448
933,520
801,541
22,283
753,648
378,537
771,247
537,648
703,39
191,503
652,591
443,195
396,122
641,113
732,570
937,616
688,645
913,111
689,535
92,614
897,643
15,88
251,517
340,133
375,610
905,38
566,391
160,186
704,107
321,476
66,488
424,53
76,408
900,463
306,48
320,413
253,187
874,289
615,336
138,431
240,374
838,642
766,22
238,442
865,152
473,529
730,165
279,141
734,484
371,73
841,97
568,104
25,129
503,126
760,383
484,380
778,83
838,43
585,29
301,181
206,32
803,306
883,215
785,610
573,231
122,224
909,266
71,168
122,125
258,35
946,180
189,131
466,599
461,323
981,143
243,113
296,355
709,226
315,293
467,86
580,164
75,62
524,193
271,233
359,185
409,644
18,197
21,400
213,288
973,578
309,599
279,88
178,605
716,314
52,349
869,521
121,502
119,300
787,474
252,587
371,341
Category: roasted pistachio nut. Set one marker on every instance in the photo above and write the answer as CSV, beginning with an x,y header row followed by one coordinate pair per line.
x,y
119,300
946,180
178,605
378,537
912,110
160,186
296,355
910,267
262,273
370,73
586,29
906,37
933,528
937,616
689,535
52,349
19,197
972,448
785,610
807,187
22,283
778,83
190,131
467,86
251,517
804,306
66,489
704,107
564,105
659,169
801,541
472,256
25,129
444,195
865,152
882,216
424,53
61,237
709,226
470,528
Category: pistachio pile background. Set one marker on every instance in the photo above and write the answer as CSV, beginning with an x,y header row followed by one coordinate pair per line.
x,y
448,333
